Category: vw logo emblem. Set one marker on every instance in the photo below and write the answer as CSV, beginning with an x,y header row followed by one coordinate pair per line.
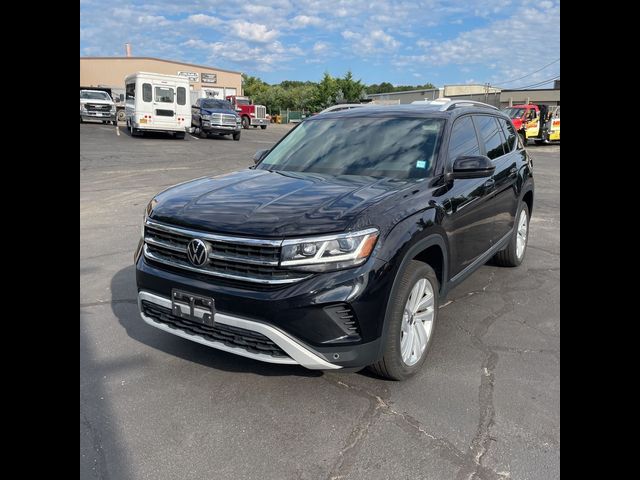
x,y
197,252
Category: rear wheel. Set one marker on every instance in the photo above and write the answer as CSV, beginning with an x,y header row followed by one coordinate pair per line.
x,y
245,122
411,321
513,254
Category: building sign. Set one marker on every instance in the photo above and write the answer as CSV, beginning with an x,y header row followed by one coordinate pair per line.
x,y
193,76
209,78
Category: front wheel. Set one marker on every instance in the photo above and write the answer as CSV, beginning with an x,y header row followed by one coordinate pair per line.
x,y
245,123
264,127
513,254
236,136
411,318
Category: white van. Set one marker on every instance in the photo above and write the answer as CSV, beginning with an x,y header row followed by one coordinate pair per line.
x,y
158,103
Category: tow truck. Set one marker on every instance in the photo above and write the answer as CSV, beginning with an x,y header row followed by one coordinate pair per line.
x,y
540,123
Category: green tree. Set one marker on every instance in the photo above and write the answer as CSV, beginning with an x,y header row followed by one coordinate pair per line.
x,y
352,90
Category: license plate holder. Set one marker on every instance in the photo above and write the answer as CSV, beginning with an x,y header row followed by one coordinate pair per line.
x,y
193,307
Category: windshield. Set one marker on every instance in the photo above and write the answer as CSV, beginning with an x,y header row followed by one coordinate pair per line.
x,y
241,101
220,104
514,112
94,95
377,147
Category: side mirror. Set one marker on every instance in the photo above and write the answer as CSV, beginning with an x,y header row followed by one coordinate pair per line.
x,y
194,106
473,166
260,154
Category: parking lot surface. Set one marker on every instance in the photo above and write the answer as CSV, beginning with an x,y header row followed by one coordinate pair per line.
x,y
486,405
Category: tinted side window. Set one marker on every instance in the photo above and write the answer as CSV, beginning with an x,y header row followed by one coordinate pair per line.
x,y
489,132
182,95
463,139
509,133
146,92
130,91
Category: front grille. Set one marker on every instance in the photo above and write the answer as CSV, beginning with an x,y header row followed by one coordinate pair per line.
x,y
223,119
261,112
231,336
164,113
97,107
231,258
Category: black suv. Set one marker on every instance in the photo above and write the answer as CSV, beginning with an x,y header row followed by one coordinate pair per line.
x,y
211,116
335,250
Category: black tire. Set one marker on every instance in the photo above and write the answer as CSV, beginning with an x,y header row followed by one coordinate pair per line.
x,y
539,142
264,127
81,120
236,136
508,256
202,133
121,116
391,365
245,123
115,122
180,135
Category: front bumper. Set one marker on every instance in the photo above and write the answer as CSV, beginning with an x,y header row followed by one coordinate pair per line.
x,y
259,121
296,352
104,116
224,129
296,317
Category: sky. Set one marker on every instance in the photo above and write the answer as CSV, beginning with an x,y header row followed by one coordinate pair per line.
x,y
401,42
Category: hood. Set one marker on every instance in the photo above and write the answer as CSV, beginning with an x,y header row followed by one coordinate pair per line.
x,y
261,203
97,102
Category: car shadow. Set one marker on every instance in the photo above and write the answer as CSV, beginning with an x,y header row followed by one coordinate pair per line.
x,y
124,307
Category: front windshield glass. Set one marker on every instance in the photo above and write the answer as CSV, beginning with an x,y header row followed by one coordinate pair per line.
x,y
94,95
377,147
514,112
219,104
241,101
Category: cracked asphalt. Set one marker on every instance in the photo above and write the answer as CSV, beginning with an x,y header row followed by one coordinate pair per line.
x,y
155,406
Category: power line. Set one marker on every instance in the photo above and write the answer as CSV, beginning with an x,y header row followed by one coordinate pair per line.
x,y
528,74
557,77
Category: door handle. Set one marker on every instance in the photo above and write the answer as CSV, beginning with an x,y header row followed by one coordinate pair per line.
x,y
489,185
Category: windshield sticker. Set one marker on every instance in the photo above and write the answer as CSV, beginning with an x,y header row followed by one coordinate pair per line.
x,y
421,164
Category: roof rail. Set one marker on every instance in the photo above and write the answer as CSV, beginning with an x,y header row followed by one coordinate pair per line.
x,y
464,103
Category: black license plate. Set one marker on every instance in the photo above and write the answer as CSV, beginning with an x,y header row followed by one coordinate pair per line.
x,y
193,307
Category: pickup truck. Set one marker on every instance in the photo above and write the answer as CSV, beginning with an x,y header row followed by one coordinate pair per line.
x,y
211,116
97,105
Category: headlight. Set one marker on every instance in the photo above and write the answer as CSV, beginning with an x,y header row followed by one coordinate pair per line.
x,y
334,252
206,117
113,108
147,212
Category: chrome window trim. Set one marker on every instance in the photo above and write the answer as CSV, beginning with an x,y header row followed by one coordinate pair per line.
x,y
298,353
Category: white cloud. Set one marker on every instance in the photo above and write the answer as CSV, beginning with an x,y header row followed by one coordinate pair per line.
x,y
320,48
205,20
302,21
376,41
254,32
158,20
